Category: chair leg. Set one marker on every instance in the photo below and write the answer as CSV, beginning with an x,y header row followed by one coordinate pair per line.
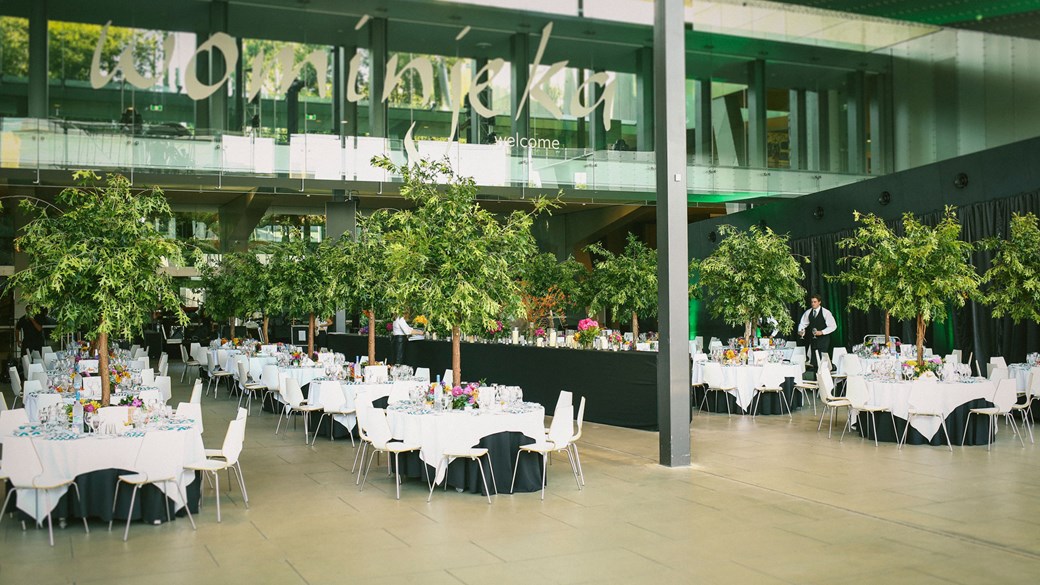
x,y
545,468
483,478
942,423
964,437
359,455
241,482
216,481
115,498
130,513
50,527
492,470
577,459
397,475
187,504
516,466
574,468
370,457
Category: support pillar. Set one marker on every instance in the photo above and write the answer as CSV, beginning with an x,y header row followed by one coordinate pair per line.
x,y
856,113
218,100
597,129
673,358
702,123
796,129
881,155
756,112
818,130
520,74
645,97
340,220
237,120
476,133
344,112
377,46
38,91
240,216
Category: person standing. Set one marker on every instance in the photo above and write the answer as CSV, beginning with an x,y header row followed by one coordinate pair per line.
x,y
400,333
816,326
30,331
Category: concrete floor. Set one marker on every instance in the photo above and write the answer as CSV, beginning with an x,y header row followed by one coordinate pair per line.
x,y
766,501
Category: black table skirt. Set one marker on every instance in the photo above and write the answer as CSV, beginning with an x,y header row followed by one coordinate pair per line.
x,y
620,387
97,489
463,473
771,403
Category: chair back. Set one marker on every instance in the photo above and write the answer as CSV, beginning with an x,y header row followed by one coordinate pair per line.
x,y
42,378
361,412
377,429
243,373
826,383
165,386
3,402
195,351
270,377
580,419
147,376
449,377
16,381
713,375
35,369
242,413
957,355
157,459
377,374
233,439
293,393
26,362
222,356
31,386
798,356
998,373
772,376
1033,385
193,411
856,390
21,461
196,392
9,421
422,374
836,355
164,363
1006,395
998,361
113,415
133,351
561,429
184,355
152,397
47,350
48,359
853,365
140,363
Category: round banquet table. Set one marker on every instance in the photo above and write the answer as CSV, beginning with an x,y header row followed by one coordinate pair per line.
x,y
96,463
501,433
745,378
954,399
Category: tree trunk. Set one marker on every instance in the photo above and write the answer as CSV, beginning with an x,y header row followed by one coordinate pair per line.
x,y
920,339
887,327
231,325
371,336
635,327
106,382
456,355
310,335
267,320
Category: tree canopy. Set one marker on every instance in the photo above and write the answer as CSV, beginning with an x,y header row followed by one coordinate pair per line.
x,y
751,275
551,288
1012,283
625,283
98,264
872,265
303,281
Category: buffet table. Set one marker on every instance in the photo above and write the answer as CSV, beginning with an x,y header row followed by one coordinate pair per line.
x,y
621,387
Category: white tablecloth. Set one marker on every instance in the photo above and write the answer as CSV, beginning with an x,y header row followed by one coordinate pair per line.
x,y
932,396
1020,372
438,432
302,375
328,393
745,379
69,459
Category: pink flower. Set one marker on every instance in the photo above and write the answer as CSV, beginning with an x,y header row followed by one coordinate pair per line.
x,y
456,391
389,326
585,324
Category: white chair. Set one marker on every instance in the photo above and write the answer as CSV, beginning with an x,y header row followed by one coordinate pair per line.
x,y
147,376
341,409
577,435
196,392
771,382
26,362
188,362
152,398
449,377
133,351
557,441
797,357
715,381
377,431
422,374
35,369
997,372
226,458
998,361
830,402
192,411
217,373
837,354
165,386
16,386
1031,392
247,386
114,417
856,392
1003,404
918,409
853,365
164,364
31,386
295,402
157,463
473,453
377,374
271,378
3,402
23,468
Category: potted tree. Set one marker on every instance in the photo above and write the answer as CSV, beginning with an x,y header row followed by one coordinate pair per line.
x,y
872,266
450,258
1012,283
625,283
99,264
362,262
304,281
751,275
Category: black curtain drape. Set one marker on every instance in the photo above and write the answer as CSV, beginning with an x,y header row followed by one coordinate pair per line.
x,y
971,328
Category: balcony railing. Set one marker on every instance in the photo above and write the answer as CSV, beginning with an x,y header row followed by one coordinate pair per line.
x,y
630,176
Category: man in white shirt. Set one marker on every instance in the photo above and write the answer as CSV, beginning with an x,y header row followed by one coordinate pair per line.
x,y
816,325
400,334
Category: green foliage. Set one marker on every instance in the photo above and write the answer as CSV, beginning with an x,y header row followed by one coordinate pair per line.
x,y
1012,284
625,283
934,269
449,258
98,266
551,285
363,264
873,264
303,279
237,287
751,275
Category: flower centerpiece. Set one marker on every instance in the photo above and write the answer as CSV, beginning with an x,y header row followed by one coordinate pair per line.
x,y
495,331
296,358
588,331
615,340
422,321
729,357
131,400
539,333
455,398
118,373
926,368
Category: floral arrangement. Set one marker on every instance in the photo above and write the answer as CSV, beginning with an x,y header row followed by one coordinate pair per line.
x,y
389,326
615,338
129,400
117,374
422,320
911,369
495,331
459,396
295,358
363,330
89,405
540,332
588,330
314,357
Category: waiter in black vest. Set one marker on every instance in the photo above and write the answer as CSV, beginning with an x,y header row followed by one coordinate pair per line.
x,y
816,326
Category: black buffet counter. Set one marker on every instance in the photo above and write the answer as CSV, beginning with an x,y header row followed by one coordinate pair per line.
x,y
620,387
